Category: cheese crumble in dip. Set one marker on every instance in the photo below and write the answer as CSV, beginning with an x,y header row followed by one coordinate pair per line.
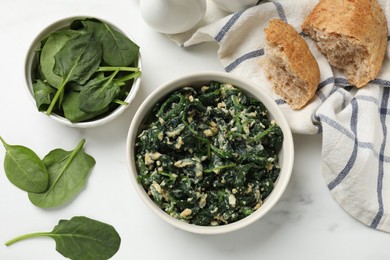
x,y
208,155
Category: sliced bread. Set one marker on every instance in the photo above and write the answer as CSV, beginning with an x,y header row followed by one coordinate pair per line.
x,y
289,64
352,34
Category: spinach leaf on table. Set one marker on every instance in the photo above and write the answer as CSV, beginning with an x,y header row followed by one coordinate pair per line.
x,y
68,173
24,168
77,61
81,238
118,50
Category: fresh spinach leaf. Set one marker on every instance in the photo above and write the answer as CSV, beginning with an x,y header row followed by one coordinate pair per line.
x,y
68,173
81,238
78,87
43,94
118,50
72,111
24,168
77,61
80,55
50,48
98,93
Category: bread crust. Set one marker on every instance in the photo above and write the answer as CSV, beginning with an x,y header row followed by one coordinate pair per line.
x,y
363,21
297,55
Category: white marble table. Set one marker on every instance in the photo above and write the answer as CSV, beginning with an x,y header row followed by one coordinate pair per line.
x,y
305,224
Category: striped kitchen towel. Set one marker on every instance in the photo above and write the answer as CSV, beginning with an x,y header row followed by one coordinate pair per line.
x,y
355,123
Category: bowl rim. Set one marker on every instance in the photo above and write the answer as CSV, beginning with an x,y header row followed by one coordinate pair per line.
x,y
287,152
30,59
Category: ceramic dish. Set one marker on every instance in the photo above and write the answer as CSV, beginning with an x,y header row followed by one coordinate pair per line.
x,y
286,155
31,61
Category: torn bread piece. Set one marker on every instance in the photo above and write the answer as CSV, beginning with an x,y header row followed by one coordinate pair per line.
x,y
289,64
352,34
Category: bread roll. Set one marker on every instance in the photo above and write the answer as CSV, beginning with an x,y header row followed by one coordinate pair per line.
x,y
352,34
289,64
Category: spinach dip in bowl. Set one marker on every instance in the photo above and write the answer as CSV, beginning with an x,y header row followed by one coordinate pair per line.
x,y
207,153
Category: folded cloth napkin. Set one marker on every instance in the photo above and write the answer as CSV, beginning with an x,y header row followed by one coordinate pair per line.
x,y
354,122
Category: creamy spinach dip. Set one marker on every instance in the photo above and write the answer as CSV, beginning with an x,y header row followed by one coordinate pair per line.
x,y
208,155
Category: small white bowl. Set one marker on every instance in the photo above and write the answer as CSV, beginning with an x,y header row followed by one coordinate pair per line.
x,y
285,160
233,6
31,61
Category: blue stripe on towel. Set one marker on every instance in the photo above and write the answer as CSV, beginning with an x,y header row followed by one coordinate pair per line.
x,y
330,80
304,35
365,145
325,83
246,56
321,85
344,82
352,158
336,88
368,99
280,101
227,26
382,82
383,115
335,125
280,10
387,111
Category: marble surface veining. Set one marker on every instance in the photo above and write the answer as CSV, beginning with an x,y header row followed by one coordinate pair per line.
x,y
305,224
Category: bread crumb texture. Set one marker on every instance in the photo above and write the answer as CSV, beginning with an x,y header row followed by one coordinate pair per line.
x,y
352,34
289,64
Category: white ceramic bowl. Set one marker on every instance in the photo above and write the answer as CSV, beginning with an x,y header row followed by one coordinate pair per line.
x,y
232,6
286,153
31,61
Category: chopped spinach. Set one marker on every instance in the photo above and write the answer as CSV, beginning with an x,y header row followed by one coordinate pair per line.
x,y
89,57
208,155
81,238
